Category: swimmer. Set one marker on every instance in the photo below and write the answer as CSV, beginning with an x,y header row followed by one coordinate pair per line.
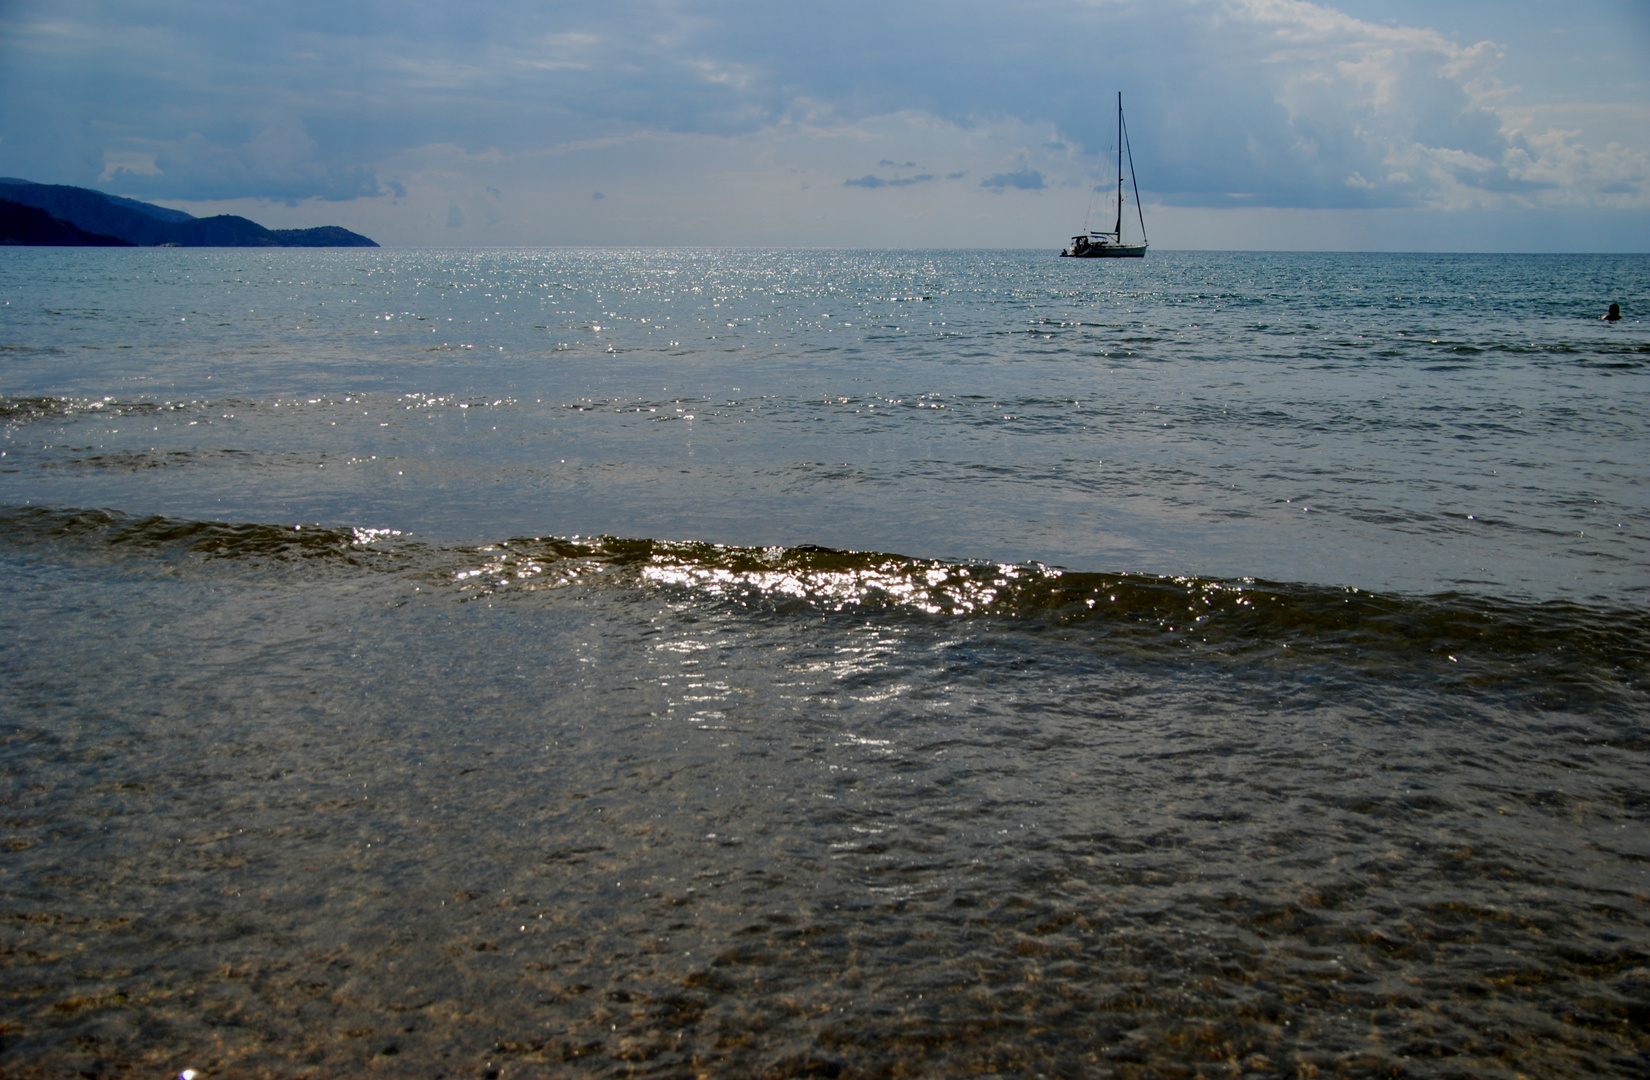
x,y
1613,315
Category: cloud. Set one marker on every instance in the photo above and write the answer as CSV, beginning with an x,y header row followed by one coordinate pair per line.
x,y
1025,180
1335,111
280,162
870,181
1251,103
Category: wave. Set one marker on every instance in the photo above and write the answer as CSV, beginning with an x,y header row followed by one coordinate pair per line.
x,y
179,540
1558,646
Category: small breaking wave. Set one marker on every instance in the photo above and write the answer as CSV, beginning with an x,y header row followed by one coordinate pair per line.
x,y
1559,646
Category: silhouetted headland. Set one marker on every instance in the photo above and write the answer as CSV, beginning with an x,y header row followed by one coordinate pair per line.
x,y
32,226
83,217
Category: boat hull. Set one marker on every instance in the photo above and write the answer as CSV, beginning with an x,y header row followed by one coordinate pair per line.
x,y
1110,251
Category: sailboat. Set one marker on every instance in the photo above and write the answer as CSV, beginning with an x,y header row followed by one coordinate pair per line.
x,y
1110,245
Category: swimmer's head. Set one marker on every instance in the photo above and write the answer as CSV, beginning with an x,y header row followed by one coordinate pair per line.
x,y
1615,313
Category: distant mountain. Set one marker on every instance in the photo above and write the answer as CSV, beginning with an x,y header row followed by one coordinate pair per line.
x,y
93,212
34,227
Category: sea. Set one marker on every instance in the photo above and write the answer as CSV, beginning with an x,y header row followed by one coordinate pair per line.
x,y
807,663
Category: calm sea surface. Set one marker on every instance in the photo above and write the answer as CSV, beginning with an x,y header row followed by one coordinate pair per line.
x,y
865,664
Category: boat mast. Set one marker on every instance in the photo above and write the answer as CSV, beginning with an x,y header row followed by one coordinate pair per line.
x,y
1118,228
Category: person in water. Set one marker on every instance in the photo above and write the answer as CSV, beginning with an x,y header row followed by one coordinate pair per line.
x,y
1613,315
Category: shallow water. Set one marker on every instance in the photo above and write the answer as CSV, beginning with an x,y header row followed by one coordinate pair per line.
x,y
1413,423
448,780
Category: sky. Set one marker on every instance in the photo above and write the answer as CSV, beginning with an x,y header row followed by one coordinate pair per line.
x,y
1253,124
